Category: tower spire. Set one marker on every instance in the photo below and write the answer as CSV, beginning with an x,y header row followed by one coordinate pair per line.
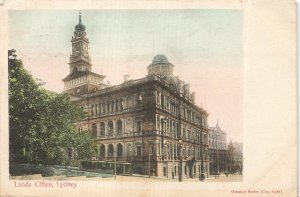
x,y
79,16
80,27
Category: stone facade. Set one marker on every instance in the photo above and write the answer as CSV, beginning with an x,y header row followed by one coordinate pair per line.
x,y
217,150
151,122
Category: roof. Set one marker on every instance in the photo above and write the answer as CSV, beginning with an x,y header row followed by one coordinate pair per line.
x,y
149,79
160,59
78,74
217,129
80,27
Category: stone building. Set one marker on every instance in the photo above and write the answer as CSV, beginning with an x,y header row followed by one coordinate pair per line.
x,y
148,122
217,149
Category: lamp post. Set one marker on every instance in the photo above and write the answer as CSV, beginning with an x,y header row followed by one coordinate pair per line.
x,y
173,151
115,163
202,176
150,153
180,161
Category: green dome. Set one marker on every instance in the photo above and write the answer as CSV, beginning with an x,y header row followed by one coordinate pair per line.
x,y
160,59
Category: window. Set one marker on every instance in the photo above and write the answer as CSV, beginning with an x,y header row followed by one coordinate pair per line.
x,y
140,99
110,128
97,109
119,126
162,100
157,97
189,135
102,151
94,130
139,151
112,106
117,105
162,124
102,107
184,133
139,126
94,109
110,150
102,129
122,105
109,107
119,150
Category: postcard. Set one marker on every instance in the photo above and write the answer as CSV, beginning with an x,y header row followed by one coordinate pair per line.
x,y
144,98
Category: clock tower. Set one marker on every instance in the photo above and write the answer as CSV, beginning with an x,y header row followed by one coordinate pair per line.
x,y
81,79
80,59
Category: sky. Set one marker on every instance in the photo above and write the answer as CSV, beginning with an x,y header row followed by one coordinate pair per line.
x,y
205,46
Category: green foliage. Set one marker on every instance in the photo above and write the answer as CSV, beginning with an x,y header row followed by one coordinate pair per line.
x,y
41,123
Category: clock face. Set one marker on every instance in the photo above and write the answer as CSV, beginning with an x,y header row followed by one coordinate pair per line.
x,y
75,47
85,50
84,47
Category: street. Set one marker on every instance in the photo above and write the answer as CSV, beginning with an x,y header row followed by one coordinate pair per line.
x,y
135,178
221,178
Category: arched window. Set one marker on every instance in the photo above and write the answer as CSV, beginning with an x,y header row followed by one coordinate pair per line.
x,y
117,105
103,110
112,106
163,125
119,150
140,99
110,128
110,150
119,127
102,151
162,100
94,130
108,107
102,129
122,104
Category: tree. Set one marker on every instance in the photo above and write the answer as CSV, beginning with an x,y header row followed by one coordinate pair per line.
x,y
41,123
230,156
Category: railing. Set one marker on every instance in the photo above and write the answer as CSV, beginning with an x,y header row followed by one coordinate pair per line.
x,y
111,135
121,111
146,158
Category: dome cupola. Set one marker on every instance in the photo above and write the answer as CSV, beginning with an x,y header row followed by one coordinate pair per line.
x,y
160,66
160,59
79,27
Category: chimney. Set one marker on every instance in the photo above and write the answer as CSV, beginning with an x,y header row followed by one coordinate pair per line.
x,y
180,86
193,97
126,78
188,91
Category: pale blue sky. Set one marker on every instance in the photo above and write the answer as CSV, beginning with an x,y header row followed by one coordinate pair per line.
x,y
193,34
204,45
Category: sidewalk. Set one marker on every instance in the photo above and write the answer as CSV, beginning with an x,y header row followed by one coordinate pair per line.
x,y
224,178
144,178
221,178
